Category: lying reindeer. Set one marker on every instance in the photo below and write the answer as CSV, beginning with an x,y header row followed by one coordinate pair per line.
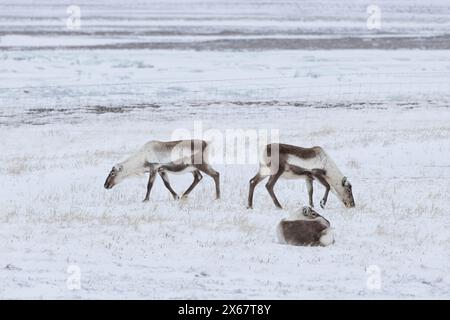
x,y
292,162
158,157
306,227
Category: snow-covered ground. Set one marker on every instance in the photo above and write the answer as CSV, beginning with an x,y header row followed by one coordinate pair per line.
x,y
68,115
55,212
78,78
224,25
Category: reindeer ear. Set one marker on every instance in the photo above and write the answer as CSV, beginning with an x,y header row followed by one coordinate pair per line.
x,y
344,181
305,210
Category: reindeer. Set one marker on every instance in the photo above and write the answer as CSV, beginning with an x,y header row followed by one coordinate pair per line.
x,y
292,162
158,157
305,227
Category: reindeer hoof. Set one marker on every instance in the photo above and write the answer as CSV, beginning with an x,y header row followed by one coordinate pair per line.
x,y
145,200
323,203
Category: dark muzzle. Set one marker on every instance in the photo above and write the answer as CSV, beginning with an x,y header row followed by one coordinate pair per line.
x,y
108,183
350,204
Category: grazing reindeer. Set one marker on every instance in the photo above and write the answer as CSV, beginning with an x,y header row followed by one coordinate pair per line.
x,y
291,162
306,227
158,157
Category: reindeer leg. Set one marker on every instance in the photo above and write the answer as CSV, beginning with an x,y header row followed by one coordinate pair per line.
x,y
167,184
323,182
309,187
309,180
269,186
197,177
207,169
253,182
151,180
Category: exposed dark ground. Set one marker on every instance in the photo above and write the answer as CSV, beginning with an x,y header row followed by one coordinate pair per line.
x,y
44,116
425,43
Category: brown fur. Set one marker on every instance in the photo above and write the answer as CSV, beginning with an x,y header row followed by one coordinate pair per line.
x,y
279,165
302,232
287,149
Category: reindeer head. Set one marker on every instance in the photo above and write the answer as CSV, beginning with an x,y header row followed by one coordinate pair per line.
x,y
115,176
345,193
309,213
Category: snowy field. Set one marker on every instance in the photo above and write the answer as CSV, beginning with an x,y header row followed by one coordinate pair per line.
x,y
67,115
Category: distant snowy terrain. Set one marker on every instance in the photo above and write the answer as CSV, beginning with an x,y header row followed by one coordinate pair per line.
x,y
78,78
225,25
74,103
